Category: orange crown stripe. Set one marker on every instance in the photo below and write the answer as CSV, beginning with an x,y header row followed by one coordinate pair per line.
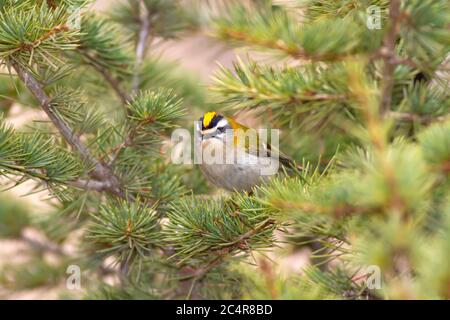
x,y
208,117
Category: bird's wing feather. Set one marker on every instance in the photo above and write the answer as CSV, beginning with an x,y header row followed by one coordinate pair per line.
x,y
267,149
240,131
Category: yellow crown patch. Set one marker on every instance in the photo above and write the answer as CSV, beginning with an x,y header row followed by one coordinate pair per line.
x,y
208,117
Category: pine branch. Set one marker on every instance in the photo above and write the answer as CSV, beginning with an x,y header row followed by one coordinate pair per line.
x,y
389,56
101,171
127,142
200,273
141,47
51,33
114,83
95,185
407,116
294,52
103,49
37,90
44,245
146,112
384,54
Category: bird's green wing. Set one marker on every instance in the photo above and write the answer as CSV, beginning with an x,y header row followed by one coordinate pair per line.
x,y
259,147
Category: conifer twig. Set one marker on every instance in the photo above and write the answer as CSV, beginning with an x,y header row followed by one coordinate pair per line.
x,y
89,185
407,116
198,274
389,56
201,272
80,183
101,172
141,46
113,82
44,245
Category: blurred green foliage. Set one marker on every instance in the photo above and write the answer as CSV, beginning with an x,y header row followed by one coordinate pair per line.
x,y
14,217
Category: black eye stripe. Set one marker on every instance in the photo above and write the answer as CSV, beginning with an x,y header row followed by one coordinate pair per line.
x,y
213,122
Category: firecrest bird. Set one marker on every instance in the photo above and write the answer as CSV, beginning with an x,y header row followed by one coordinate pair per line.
x,y
253,162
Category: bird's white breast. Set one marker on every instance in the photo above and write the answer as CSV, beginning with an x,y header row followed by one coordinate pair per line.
x,y
245,172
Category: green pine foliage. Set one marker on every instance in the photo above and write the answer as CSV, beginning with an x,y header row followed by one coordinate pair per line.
x,y
366,111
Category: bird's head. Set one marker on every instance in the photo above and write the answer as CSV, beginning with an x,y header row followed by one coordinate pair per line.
x,y
213,126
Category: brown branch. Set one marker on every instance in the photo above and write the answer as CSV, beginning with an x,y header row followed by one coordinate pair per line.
x,y
238,243
141,46
129,139
40,176
113,82
292,51
444,167
411,117
198,274
320,97
141,49
89,185
389,56
125,144
52,4
336,211
37,42
242,239
101,171
37,90
404,61
43,245
382,53
303,98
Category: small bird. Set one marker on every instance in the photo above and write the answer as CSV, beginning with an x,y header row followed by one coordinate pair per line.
x,y
252,163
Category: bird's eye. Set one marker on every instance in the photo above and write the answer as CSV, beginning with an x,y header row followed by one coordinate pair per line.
x,y
221,129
